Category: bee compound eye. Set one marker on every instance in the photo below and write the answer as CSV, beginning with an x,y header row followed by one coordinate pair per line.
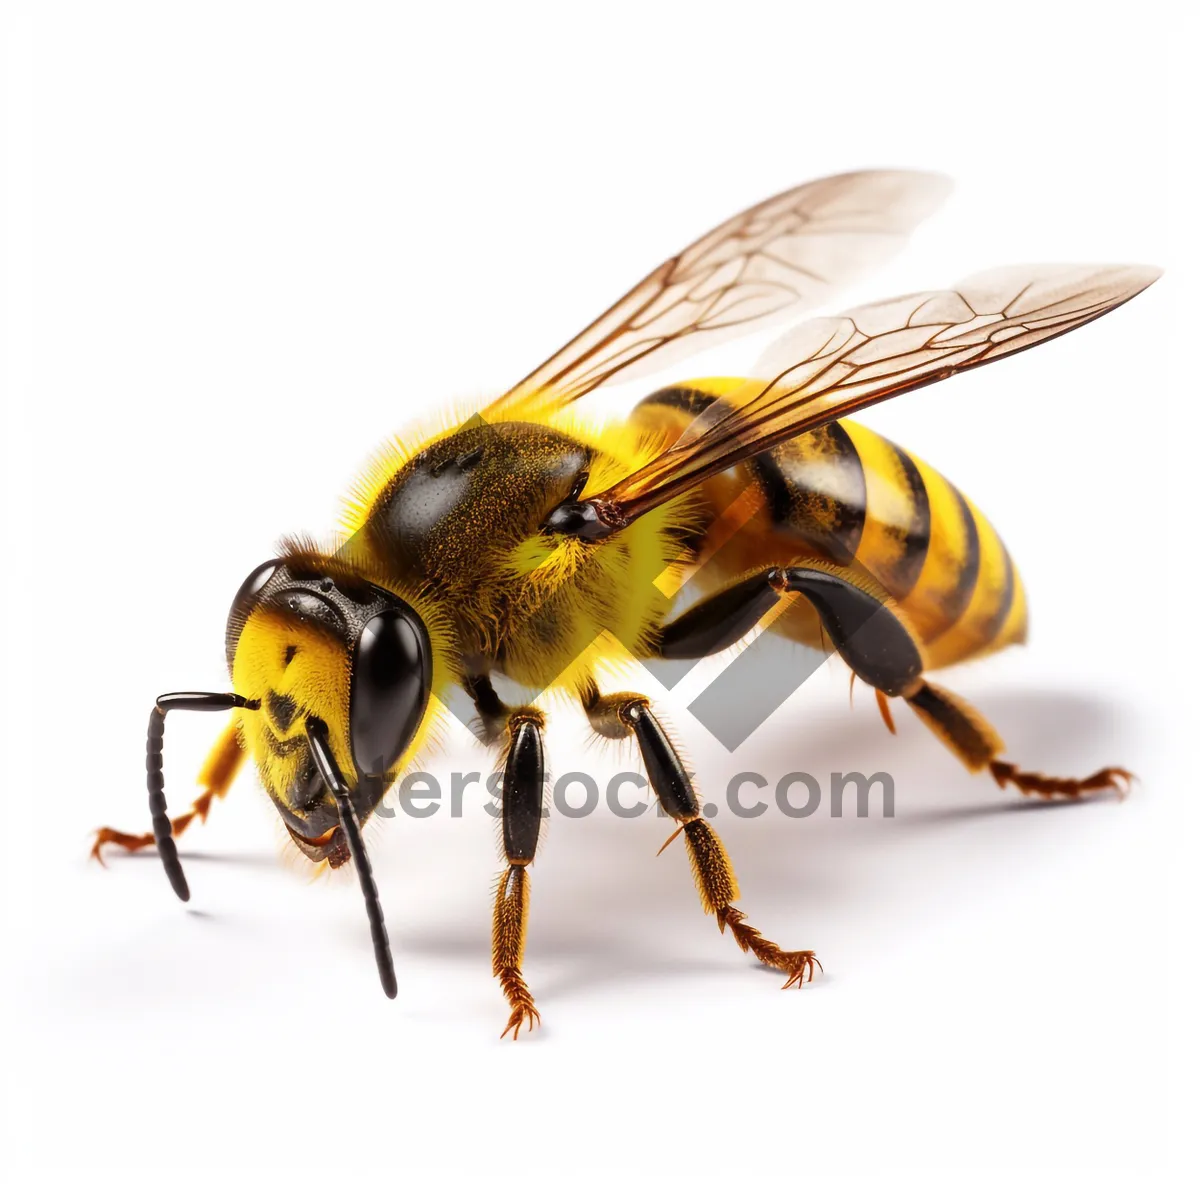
x,y
389,688
243,602
256,581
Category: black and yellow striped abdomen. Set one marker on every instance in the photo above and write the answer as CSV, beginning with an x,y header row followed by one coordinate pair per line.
x,y
847,495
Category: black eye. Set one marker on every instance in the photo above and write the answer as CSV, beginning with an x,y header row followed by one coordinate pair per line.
x,y
389,688
243,602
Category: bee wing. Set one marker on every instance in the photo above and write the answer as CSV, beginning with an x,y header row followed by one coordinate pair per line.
x,y
831,366
784,254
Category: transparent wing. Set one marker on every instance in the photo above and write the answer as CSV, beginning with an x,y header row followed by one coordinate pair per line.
x,y
785,254
831,366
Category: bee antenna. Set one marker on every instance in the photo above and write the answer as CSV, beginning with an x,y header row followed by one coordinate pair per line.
x,y
164,835
326,764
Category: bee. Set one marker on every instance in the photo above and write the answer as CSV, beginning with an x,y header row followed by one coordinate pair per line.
x,y
535,545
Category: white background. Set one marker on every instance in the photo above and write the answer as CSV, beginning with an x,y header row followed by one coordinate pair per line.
x,y
247,242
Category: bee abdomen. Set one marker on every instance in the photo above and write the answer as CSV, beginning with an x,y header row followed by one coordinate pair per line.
x,y
844,493
857,497
816,488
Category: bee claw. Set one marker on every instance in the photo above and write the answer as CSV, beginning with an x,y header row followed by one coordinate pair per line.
x,y
128,842
1050,787
799,962
517,1018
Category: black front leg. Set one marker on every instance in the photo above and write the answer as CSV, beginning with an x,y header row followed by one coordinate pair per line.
x,y
520,821
493,712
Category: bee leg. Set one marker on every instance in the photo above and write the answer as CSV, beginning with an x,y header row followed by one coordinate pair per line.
x,y
521,818
624,713
216,778
493,712
875,643
976,744
720,620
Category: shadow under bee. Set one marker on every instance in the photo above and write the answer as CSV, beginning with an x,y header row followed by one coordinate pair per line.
x,y
609,912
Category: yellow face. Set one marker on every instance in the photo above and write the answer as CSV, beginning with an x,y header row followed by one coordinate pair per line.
x,y
320,653
296,671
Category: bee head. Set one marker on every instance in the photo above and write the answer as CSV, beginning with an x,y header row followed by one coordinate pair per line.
x,y
310,638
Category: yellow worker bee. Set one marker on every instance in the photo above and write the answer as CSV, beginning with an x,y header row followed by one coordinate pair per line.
x,y
533,544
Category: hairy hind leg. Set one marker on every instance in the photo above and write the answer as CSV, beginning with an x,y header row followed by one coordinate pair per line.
x,y
624,713
976,744
216,778
874,641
